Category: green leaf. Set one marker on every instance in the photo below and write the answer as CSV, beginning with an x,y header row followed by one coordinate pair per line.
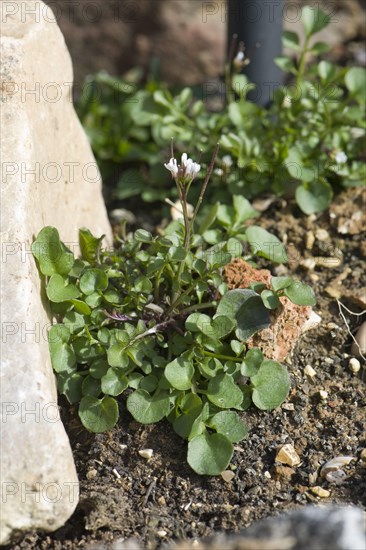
x,y
93,280
98,367
209,218
279,283
223,392
320,47
314,197
91,386
98,415
143,284
228,424
117,356
286,64
148,409
143,236
326,70
179,373
51,254
209,367
246,308
70,386
114,382
252,362
243,210
265,244
355,81
184,423
81,307
63,358
314,20
291,40
271,385
300,294
89,245
270,299
209,454
58,290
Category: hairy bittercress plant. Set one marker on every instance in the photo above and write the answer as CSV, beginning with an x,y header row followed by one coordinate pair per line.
x,y
153,320
309,143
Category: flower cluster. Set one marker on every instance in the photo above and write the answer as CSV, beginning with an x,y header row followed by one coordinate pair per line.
x,y
184,172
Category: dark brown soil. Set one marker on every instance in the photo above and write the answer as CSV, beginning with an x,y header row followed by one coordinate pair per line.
x,y
162,500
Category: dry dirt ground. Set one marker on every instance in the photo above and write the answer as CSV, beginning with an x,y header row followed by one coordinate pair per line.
x,y
162,500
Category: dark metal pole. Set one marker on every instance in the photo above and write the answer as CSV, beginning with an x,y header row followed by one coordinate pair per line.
x,y
258,23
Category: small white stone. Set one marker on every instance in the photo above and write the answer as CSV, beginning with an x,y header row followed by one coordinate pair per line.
x,y
322,234
309,372
116,474
227,475
354,364
288,455
310,239
162,533
313,321
122,447
323,394
146,453
320,492
335,464
267,474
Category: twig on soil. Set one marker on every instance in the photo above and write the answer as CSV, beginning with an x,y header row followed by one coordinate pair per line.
x,y
340,306
149,489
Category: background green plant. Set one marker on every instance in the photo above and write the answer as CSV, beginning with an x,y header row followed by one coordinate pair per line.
x,y
154,320
290,148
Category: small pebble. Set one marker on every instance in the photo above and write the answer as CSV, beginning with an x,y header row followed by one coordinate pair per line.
x,y
288,406
363,455
267,474
91,474
122,447
335,464
309,372
161,501
162,533
322,235
288,455
337,477
116,474
323,394
227,475
320,492
310,239
146,453
354,365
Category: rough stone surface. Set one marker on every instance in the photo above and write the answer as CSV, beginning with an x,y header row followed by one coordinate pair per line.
x,y
288,321
49,177
311,527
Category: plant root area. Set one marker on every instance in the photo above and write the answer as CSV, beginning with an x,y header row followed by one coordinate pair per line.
x,y
160,500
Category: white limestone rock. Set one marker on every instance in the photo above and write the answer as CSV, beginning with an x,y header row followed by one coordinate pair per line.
x,y
49,177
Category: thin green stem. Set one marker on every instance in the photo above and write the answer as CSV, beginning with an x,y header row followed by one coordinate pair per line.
x,y
219,356
302,60
197,307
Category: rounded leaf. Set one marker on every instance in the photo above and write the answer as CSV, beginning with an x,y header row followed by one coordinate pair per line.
x,y
209,454
223,392
229,424
98,415
93,280
179,373
59,291
114,382
270,385
146,408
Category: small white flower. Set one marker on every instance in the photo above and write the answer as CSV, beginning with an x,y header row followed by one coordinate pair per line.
x,y
227,160
219,171
172,167
187,170
340,157
239,57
